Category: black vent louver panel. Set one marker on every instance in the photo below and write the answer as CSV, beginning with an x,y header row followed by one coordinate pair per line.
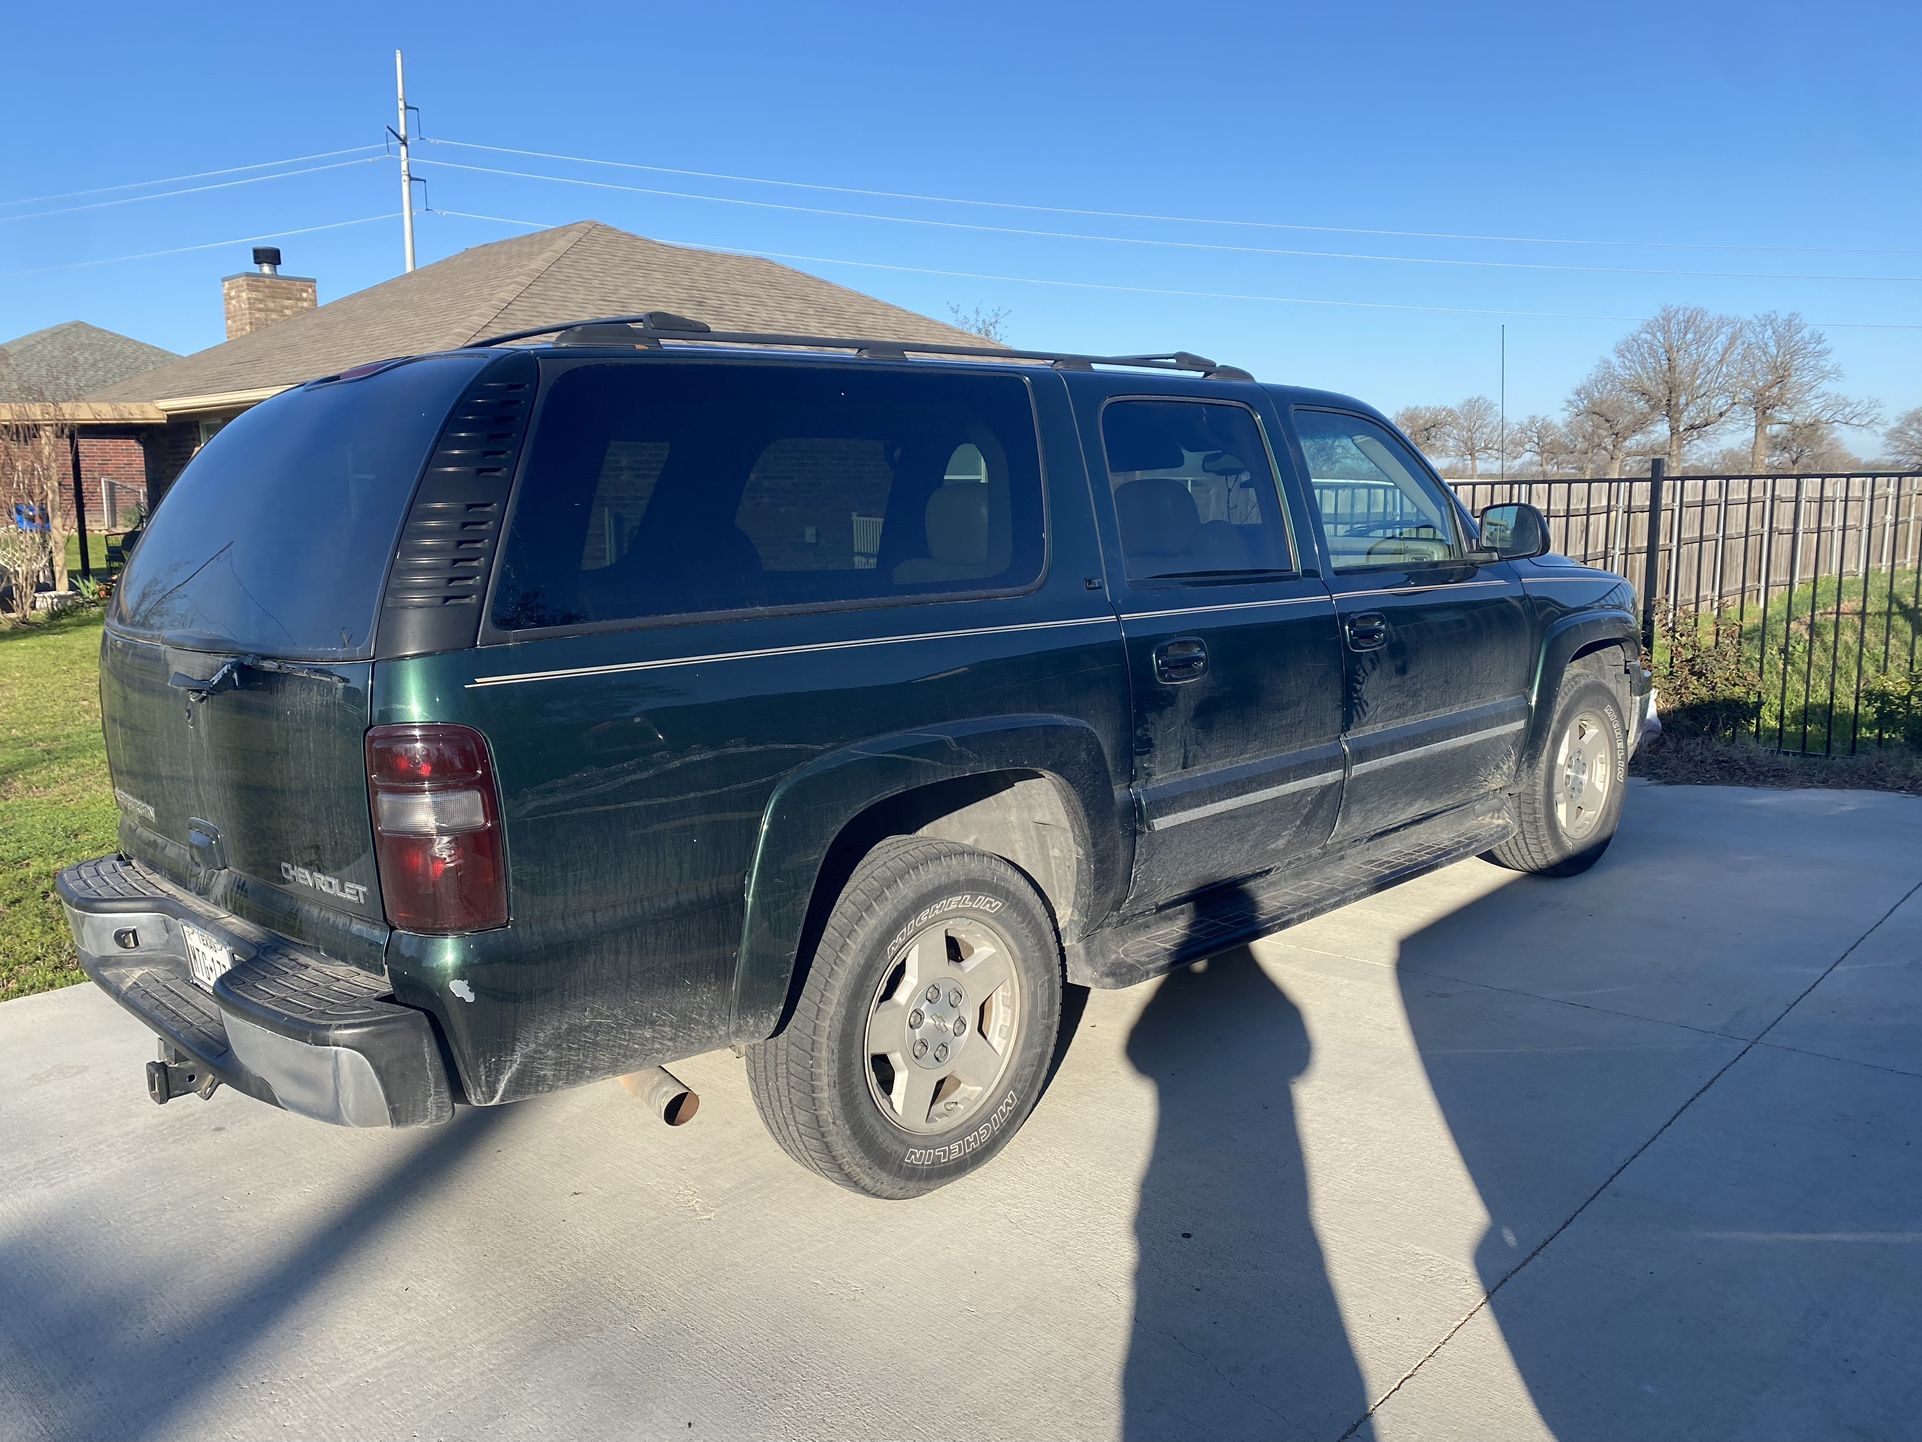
x,y
439,576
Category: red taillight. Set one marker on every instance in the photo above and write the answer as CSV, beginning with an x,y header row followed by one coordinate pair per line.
x,y
437,830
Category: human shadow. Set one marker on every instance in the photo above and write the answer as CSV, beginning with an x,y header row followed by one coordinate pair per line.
x,y
1236,1330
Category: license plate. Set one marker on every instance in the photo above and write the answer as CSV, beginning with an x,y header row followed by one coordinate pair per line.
x,y
206,958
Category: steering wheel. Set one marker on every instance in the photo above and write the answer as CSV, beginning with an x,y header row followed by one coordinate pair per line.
x,y
1405,530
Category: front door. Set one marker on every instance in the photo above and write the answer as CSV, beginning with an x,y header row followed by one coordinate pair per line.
x,y
1438,648
1233,658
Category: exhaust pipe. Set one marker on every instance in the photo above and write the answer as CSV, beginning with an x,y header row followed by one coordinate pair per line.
x,y
666,1095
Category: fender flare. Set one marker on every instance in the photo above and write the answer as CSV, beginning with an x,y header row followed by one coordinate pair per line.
x,y
814,804
1569,635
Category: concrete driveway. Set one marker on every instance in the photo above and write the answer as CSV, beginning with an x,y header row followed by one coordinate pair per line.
x,y
1637,1155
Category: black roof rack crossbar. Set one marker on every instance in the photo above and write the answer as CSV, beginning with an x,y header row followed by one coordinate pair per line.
x,y
650,328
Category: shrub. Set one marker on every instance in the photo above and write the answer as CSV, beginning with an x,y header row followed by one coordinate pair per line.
x,y
1707,686
1891,707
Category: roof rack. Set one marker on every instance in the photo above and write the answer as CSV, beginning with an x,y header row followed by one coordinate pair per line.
x,y
649,329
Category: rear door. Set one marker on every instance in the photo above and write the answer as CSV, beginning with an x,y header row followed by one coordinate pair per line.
x,y
1233,658
1438,648
238,660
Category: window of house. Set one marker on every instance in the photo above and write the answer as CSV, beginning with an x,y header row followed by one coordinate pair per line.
x,y
1379,506
656,489
1194,491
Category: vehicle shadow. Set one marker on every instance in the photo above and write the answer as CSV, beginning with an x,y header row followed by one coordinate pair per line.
x,y
160,1363
1236,1330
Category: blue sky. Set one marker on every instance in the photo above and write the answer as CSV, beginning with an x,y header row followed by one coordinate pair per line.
x,y
1785,126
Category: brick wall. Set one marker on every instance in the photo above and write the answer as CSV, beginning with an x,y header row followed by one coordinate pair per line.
x,y
109,457
168,449
252,300
113,477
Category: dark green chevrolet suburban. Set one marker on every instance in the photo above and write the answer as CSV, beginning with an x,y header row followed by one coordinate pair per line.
x,y
490,722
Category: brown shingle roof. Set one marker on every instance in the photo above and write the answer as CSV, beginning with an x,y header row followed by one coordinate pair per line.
x,y
569,273
65,362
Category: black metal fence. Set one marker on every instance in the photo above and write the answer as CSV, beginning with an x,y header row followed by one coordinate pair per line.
x,y
1799,594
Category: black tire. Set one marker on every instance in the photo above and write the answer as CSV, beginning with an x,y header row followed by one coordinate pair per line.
x,y
1542,844
820,1090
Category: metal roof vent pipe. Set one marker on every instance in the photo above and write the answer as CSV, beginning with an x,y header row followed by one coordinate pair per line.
x,y
267,259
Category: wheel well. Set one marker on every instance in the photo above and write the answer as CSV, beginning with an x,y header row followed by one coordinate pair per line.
x,y
1022,816
1607,660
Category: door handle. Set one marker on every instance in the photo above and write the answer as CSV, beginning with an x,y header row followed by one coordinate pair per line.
x,y
1367,631
1182,660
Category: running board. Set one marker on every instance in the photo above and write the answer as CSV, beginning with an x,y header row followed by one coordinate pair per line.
x,y
1146,946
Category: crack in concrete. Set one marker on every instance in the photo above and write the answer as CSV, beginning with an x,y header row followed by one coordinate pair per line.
x,y
1609,1181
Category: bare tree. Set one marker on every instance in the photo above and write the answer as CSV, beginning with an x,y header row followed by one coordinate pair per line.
x,y
988,322
1473,433
1542,438
1903,443
35,467
1426,426
1682,364
1605,421
1808,446
1780,381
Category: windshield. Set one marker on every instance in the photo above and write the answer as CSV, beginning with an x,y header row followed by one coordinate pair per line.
x,y
277,536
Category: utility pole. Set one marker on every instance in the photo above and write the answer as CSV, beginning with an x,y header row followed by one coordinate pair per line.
x,y
1501,451
406,173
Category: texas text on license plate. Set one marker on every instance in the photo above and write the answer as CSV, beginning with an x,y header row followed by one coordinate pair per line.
x,y
206,958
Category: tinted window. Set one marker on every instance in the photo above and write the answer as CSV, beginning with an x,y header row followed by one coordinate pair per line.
x,y
1378,506
277,535
1193,491
657,489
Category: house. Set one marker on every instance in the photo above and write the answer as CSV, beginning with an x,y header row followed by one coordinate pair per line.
x,y
279,337
48,372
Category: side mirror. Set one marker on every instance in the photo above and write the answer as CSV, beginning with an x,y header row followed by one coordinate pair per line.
x,y
1513,532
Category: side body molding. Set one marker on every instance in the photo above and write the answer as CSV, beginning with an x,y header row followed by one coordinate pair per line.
x,y
812,807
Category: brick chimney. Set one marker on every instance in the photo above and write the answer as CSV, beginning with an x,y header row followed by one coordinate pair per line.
x,y
261,296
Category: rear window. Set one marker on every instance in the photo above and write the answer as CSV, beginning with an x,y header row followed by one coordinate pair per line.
x,y
277,536
656,489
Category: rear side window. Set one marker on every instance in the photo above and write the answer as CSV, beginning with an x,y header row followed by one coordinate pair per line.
x,y
658,489
276,537
1193,491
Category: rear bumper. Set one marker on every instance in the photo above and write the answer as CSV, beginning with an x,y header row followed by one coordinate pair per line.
x,y
283,1025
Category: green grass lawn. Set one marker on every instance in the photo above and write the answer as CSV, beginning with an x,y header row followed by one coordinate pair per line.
x,y
1841,629
96,552
54,795
1777,669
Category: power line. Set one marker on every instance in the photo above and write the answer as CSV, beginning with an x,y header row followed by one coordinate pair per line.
x,y
192,189
1153,289
1448,261
205,245
1177,219
196,175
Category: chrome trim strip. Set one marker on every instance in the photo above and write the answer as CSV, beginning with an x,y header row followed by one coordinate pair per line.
x,y
1267,793
1322,600
1375,763
1416,590
623,667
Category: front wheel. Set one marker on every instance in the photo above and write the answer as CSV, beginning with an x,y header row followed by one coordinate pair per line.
x,y
924,1028
1569,805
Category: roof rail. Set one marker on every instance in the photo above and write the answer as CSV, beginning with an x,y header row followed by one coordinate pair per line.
x,y
649,329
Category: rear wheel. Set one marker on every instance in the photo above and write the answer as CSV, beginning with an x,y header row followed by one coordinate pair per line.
x,y
923,1031
1568,808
